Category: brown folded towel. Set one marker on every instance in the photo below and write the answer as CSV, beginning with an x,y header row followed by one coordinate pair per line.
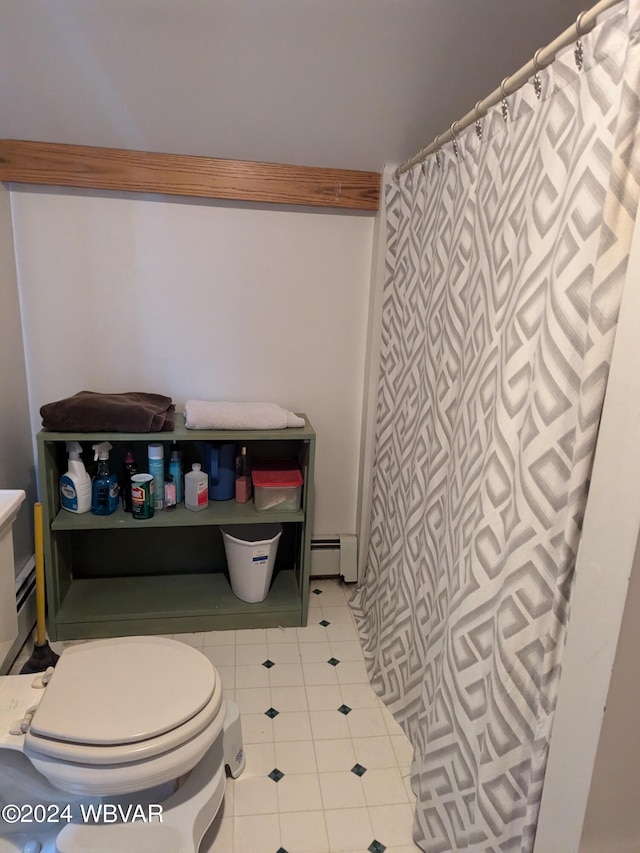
x,y
91,411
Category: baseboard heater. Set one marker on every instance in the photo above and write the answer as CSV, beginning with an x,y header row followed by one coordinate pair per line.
x,y
335,556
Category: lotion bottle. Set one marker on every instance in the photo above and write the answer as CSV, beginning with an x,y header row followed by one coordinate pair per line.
x,y
243,478
169,494
175,469
75,485
129,470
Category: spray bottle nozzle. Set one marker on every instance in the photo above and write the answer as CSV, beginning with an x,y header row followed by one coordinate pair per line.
x,y
101,450
74,449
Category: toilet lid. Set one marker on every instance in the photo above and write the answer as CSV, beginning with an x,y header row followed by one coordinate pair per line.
x,y
125,690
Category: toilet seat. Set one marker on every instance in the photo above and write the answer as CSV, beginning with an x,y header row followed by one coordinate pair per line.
x,y
107,701
104,722
112,692
81,753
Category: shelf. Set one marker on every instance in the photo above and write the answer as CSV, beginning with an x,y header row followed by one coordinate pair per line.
x,y
218,512
181,434
168,574
104,607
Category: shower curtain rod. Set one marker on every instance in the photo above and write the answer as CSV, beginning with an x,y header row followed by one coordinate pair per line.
x,y
543,57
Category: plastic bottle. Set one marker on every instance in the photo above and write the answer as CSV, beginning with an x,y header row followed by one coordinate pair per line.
x,y
175,469
196,488
104,488
129,470
169,493
243,479
75,485
156,469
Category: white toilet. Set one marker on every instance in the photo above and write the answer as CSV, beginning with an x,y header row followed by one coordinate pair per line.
x,y
138,723
121,747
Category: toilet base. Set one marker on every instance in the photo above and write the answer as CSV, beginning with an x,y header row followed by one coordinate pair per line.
x,y
186,816
234,756
177,825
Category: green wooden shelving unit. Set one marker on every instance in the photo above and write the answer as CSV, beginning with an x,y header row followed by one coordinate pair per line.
x,y
111,576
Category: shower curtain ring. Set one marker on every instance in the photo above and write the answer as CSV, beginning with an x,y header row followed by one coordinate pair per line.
x,y
479,114
536,65
505,106
577,53
537,82
454,133
579,30
436,145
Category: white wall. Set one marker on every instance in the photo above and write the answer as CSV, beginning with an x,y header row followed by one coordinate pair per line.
x,y
17,469
202,300
320,82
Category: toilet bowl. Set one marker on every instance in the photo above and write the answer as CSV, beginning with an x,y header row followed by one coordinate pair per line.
x,y
119,719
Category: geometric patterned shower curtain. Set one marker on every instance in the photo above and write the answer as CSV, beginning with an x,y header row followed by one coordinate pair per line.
x,y
505,264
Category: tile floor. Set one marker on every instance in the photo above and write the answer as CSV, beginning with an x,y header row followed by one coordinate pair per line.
x,y
327,765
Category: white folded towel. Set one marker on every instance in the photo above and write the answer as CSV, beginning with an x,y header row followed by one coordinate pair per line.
x,y
200,414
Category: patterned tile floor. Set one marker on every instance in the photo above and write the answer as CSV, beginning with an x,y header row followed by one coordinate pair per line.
x,y
327,765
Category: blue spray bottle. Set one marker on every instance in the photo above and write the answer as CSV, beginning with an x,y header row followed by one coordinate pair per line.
x,y
104,488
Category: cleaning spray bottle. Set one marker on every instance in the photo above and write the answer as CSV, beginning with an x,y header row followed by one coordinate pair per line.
x,y
104,488
75,485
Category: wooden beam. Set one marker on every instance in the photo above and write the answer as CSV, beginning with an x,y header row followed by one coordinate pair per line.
x,y
174,174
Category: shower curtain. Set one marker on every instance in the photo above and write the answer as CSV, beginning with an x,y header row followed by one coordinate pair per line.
x,y
505,262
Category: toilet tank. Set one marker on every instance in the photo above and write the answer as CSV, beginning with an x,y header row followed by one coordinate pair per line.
x,y
10,501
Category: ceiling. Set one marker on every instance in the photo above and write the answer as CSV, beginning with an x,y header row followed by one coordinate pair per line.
x,y
343,83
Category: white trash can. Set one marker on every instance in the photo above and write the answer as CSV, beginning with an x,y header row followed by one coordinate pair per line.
x,y
251,554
